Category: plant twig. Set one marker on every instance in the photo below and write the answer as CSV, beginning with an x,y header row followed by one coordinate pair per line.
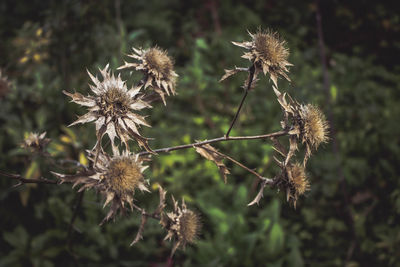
x,y
22,180
269,181
251,78
215,140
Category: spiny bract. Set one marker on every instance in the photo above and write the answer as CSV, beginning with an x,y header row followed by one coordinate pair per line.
x,y
111,107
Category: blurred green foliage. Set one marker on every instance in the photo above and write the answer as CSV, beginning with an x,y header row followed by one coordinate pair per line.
x,y
351,215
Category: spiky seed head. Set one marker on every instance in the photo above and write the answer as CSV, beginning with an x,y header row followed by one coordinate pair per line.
x,y
269,54
35,142
182,224
296,182
114,109
123,175
189,224
158,68
116,178
159,63
298,179
315,127
270,49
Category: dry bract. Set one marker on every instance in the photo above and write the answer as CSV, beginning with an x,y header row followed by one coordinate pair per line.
x,y
36,142
111,107
182,224
158,68
116,178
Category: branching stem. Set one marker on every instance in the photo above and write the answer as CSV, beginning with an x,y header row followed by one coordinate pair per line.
x,y
215,140
250,81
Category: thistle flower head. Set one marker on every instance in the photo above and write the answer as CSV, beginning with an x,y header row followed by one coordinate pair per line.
x,y
182,224
35,142
117,178
315,126
268,52
308,123
158,68
296,182
113,108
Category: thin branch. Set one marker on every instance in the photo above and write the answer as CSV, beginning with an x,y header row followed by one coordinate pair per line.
x,y
269,181
215,140
251,78
22,180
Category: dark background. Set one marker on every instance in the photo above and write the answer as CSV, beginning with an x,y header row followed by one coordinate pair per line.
x,y
350,217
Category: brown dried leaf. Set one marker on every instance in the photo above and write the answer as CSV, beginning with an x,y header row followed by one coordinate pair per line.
x,y
229,73
210,153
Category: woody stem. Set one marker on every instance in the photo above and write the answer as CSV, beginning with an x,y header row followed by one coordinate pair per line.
x,y
215,140
250,81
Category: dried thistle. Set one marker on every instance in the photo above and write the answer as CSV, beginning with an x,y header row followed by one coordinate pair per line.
x,y
305,122
182,224
116,178
35,142
112,108
315,127
268,53
294,181
158,68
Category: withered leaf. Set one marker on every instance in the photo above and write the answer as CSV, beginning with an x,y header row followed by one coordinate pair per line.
x,y
210,153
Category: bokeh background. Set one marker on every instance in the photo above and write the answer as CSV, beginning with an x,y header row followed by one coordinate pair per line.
x,y
350,217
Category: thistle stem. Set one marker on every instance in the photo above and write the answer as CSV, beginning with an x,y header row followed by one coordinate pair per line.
x,y
268,180
215,140
23,180
251,78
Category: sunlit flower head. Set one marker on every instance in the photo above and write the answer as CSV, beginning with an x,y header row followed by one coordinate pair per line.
x,y
182,224
117,178
268,52
113,108
158,69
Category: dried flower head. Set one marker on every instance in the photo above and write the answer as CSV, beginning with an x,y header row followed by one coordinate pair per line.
x,y
117,178
182,224
315,126
158,68
4,85
295,181
308,123
35,142
112,109
268,52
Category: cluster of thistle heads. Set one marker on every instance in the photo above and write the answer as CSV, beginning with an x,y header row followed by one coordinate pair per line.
x,y
113,107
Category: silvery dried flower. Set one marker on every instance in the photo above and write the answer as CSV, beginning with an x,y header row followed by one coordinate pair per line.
x,y
158,68
35,142
117,178
113,107
182,224
267,52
